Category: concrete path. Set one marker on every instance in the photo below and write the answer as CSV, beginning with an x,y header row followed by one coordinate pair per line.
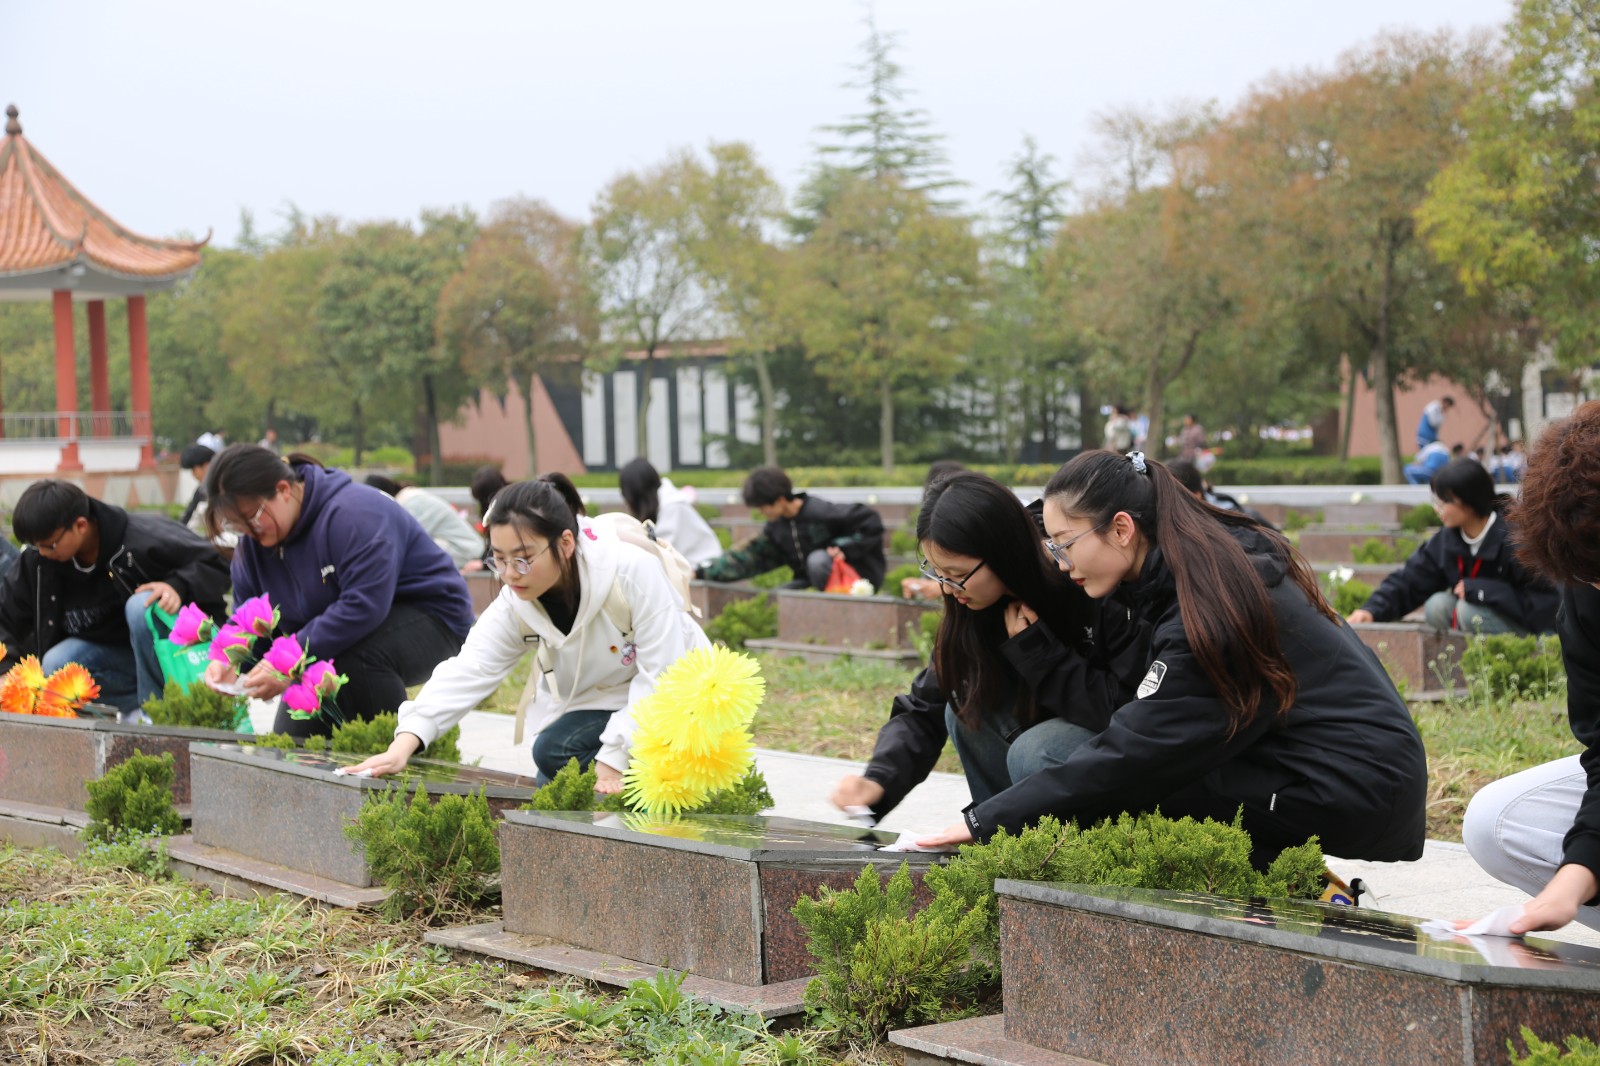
x,y
1444,883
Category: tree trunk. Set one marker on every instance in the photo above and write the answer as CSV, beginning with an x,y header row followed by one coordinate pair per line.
x,y
1383,383
527,427
431,414
1155,389
360,425
886,425
643,428
769,410
1349,412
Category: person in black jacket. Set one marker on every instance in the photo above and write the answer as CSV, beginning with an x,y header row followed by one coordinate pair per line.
x,y
1466,577
1255,696
1540,829
80,592
805,533
1025,668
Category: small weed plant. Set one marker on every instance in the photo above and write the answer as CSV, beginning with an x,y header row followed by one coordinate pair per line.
x,y
1503,666
438,859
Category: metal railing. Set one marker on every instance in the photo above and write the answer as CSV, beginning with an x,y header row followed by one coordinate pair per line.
x,y
74,425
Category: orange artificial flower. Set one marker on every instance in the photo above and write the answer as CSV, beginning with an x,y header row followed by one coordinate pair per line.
x,y
72,686
15,696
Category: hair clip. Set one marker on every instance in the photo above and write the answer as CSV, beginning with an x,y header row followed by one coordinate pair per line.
x,y
1137,459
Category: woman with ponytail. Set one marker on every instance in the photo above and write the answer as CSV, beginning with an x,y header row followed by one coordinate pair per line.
x,y
600,616
1255,696
1025,667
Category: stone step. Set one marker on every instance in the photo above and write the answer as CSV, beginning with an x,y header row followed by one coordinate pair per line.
x,y
980,1041
1338,545
868,622
1420,657
1365,513
827,653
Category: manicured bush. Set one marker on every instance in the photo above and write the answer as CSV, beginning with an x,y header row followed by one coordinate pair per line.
x,y
572,789
1375,552
773,579
438,859
1420,519
892,580
745,620
134,797
199,706
1579,1051
1346,596
359,737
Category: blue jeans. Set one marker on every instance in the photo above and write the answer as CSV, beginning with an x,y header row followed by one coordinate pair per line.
x,y
1442,607
999,753
573,735
128,674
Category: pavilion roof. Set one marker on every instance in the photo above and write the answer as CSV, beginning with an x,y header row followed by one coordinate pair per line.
x,y
47,225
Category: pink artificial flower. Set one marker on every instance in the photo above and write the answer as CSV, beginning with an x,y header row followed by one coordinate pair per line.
x,y
257,615
285,656
324,677
191,626
302,701
231,644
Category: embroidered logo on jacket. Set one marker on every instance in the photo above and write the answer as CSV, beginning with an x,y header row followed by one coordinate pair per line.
x,y
1152,679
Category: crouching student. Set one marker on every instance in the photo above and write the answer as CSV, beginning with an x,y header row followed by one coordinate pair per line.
x,y
1466,577
1540,829
1025,667
601,618
1255,695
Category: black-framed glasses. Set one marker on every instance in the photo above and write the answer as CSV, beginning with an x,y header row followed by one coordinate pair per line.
x,y
251,522
1058,552
52,545
519,565
953,584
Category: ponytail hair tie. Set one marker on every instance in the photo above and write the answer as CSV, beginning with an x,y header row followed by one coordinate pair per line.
x,y
1137,459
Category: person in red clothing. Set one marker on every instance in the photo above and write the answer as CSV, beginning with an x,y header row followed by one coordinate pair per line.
x,y
1540,829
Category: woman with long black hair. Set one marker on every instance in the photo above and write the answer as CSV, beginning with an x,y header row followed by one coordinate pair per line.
x,y
1025,668
1255,696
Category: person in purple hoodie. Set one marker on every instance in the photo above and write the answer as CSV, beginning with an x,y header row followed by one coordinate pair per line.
x,y
351,573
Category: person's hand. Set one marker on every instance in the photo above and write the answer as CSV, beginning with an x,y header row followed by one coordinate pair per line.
x,y
473,566
1019,616
264,683
394,759
219,674
1359,617
955,834
1558,903
853,790
607,779
836,551
1460,591
162,595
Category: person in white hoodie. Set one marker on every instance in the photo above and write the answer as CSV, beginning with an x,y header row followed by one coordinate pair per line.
x,y
599,615
649,497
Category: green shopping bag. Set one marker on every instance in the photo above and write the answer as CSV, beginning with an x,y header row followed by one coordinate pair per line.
x,y
186,666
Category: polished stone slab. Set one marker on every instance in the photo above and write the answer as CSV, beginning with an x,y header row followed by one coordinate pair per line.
x,y
1415,654
708,895
1121,975
772,1001
289,808
870,623
233,874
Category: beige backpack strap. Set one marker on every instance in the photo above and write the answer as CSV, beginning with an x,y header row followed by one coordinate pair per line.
x,y
541,666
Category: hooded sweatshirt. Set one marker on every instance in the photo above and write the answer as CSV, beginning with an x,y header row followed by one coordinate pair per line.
x,y
593,668
681,526
349,558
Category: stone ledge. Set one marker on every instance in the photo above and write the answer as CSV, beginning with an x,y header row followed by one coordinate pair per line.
x,y
782,1000
823,653
29,825
980,1041
228,869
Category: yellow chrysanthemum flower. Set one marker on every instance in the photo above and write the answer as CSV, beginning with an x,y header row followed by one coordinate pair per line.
x,y
659,786
721,764
716,688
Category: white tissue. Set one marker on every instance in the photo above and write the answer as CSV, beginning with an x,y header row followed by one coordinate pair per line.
x,y
341,771
1496,923
908,842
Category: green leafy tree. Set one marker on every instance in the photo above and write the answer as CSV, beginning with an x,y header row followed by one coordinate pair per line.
x,y
885,288
1513,215
520,308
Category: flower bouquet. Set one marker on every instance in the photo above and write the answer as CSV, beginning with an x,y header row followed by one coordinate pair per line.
x,y
26,690
314,684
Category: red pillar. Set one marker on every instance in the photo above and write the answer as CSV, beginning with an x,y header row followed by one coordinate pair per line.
x,y
99,375
66,384
139,380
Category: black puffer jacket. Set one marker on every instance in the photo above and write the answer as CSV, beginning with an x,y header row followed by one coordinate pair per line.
x,y
1494,579
853,528
1083,683
134,549
1346,762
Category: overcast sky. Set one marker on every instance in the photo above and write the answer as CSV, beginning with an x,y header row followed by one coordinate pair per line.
x,y
174,116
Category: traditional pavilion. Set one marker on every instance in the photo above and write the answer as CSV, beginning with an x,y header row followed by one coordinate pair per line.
x,y
56,244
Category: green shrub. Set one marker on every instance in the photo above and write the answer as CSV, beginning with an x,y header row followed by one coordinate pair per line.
x,y
572,789
1144,851
743,620
892,580
1420,519
1346,596
1317,470
1504,665
143,853
199,706
276,740
1375,552
360,737
878,966
927,630
1580,1051
902,542
1295,520
134,797
437,859
773,579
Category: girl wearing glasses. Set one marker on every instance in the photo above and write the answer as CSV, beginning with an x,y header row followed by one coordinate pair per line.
x,y
1467,576
600,616
1254,695
354,576
1025,668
